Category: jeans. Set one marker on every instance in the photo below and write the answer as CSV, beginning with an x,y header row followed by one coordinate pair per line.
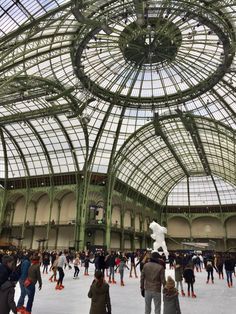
x,y
210,274
112,273
181,285
156,296
76,271
121,274
229,276
30,291
61,275
190,285
21,300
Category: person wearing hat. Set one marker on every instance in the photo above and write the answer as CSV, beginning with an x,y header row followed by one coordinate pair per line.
x,y
152,278
170,297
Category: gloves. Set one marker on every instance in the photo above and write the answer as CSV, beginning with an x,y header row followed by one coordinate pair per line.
x,y
143,293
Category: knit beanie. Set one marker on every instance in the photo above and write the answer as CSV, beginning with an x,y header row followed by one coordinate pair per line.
x,y
170,283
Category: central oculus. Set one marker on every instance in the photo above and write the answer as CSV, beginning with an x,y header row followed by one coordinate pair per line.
x,y
155,43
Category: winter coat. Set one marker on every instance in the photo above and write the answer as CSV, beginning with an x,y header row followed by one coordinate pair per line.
x,y
100,303
171,301
178,273
7,293
34,274
101,262
209,266
152,277
188,275
25,264
5,273
229,265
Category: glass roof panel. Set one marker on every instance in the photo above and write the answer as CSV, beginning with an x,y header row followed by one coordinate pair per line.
x,y
202,192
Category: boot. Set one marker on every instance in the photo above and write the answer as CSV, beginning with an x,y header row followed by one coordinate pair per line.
x,y
182,293
113,281
20,309
122,283
188,293
193,295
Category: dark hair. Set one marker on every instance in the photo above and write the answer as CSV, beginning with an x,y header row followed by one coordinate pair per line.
x,y
7,259
99,276
155,255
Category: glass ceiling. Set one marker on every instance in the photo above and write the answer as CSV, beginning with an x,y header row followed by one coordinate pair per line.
x,y
103,82
203,191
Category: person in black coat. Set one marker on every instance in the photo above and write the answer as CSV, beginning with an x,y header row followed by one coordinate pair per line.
x,y
229,269
189,277
7,293
6,268
210,269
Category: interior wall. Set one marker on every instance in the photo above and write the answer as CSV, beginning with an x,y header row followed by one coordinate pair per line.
x,y
137,223
116,215
68,208
27,237
99,237
39,233
207,227
231,227
43,208
178,227
55,211
19,211
52,238
30,213
127,219
65,237
127,244
115,240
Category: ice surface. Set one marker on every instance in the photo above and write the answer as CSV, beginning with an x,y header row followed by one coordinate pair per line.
x,y
211,298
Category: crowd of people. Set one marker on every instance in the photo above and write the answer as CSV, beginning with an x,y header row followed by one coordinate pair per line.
x,y
25,267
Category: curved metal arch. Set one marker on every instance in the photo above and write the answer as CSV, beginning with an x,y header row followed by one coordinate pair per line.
x,y
133,142
30,26
19,152
137,168
4,156
43,147
69,142
166,117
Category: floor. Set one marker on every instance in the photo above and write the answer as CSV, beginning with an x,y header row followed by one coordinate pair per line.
x,y
211,299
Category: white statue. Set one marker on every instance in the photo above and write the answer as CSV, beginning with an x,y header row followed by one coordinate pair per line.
x,y
159,237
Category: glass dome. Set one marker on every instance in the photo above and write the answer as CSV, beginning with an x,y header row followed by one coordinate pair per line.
x,y
147,92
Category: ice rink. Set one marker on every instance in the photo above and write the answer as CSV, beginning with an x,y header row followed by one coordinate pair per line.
x,y
211,298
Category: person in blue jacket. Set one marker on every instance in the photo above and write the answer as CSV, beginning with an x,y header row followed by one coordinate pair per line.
x,y
25,264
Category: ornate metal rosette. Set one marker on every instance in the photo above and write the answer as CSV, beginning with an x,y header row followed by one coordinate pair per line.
x,y
158,54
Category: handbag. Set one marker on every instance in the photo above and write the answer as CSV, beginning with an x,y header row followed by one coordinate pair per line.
x,y
27,282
